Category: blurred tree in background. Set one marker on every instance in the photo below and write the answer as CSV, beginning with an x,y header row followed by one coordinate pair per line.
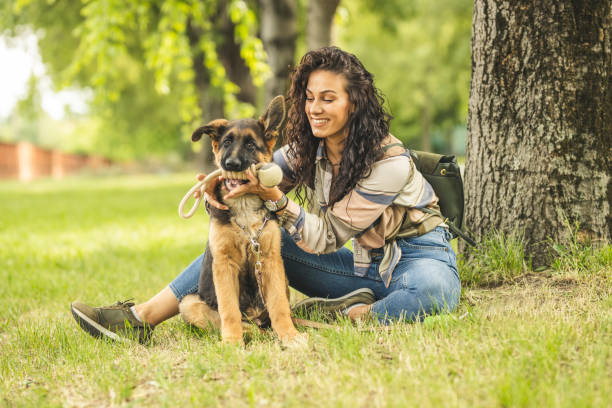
x,y
157,68
153,66
28,113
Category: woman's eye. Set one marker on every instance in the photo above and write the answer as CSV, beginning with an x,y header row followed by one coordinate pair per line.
x,y
328,100
309,99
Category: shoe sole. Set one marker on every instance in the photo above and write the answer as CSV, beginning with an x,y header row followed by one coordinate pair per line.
x,y
335,305
92,327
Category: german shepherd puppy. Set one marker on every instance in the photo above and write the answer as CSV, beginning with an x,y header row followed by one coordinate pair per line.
x,y
229,288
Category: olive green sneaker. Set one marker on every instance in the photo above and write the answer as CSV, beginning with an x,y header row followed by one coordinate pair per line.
x,y
115,322
337,305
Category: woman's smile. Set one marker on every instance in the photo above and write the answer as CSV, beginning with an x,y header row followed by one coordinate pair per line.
x,y
318,122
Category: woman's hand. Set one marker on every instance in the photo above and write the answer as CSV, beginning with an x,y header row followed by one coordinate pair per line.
x,y
209,193
255,187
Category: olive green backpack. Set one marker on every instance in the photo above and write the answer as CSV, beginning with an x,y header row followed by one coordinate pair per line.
x,y
443,173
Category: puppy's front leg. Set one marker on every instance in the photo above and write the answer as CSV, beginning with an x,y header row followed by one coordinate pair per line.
x,y
225,277
275,289
277,301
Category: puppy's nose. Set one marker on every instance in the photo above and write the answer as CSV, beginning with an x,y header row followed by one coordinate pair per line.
x,y
233,164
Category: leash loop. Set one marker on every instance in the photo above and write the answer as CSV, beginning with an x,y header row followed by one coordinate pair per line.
x,y
201,187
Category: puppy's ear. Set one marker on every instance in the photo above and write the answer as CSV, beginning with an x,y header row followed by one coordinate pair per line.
x,y
274,117
213,129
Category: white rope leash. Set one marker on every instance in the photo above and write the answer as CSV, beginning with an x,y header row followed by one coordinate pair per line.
x,y
269,175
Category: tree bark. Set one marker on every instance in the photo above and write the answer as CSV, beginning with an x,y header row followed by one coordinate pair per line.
x,y
539,142
210,99
229,54
278,33
320,16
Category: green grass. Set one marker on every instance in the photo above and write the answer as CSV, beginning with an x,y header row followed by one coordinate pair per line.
x,y
540,340
497,259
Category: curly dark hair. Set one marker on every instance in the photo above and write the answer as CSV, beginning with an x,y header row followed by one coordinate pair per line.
x,y
368,123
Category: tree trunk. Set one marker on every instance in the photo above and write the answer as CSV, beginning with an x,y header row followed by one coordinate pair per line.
x,y
539,142
278,33
320,16
210,99
228,51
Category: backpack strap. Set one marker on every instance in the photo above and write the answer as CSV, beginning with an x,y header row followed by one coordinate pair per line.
x,y
458,232
387,147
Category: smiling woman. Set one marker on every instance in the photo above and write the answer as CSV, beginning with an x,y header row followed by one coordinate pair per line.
x,y
343,106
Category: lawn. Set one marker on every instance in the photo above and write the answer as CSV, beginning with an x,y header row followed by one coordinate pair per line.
x,y
543,339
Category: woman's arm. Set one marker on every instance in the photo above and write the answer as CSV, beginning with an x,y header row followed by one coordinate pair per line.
x,y
354,213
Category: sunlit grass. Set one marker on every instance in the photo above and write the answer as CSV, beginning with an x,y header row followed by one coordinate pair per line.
x,y
543,340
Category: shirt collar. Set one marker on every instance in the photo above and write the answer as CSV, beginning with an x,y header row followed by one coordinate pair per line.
x,y
321,151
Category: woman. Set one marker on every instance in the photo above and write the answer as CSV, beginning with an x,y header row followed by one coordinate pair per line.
x,y
365,188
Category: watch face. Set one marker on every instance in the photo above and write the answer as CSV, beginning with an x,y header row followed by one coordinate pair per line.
x,y
270,205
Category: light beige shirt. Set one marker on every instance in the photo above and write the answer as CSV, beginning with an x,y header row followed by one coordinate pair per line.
x,y
381,207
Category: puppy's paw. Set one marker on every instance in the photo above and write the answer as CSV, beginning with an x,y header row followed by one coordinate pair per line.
x,y
236,341
297,342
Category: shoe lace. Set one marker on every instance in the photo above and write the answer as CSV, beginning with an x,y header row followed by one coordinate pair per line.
x,y
123,304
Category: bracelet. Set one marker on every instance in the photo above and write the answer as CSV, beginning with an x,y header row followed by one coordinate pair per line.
x,y
284,205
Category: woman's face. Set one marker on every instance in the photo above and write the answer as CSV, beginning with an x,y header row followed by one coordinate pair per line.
x,y
327,104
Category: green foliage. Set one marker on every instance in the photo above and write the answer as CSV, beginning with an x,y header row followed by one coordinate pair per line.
x,y
498,258
25,122
422,63
141,123
121,48
390,12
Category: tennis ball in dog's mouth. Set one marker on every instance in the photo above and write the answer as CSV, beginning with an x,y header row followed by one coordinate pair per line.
x,y
270,175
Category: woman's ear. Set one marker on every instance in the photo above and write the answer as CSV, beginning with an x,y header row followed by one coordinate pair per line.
x,y
274,117
214,129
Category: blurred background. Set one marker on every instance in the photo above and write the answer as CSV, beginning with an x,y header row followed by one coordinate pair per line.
x,y
120,84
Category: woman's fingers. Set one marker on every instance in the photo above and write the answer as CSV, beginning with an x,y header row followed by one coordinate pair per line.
x,y
210,199
209,194
199,177
251,177
251,187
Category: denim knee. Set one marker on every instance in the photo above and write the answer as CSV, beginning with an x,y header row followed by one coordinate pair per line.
x,y
423,287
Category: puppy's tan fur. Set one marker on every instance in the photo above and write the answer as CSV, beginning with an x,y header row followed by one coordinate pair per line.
x,y
233,260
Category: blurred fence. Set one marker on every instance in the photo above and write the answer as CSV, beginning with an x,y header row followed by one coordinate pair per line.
x,y
25,161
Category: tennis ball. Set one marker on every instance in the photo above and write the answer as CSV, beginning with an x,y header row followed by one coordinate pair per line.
x,y
270,175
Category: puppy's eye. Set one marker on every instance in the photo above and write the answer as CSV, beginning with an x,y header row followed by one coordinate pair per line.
x,y
227,142
250,146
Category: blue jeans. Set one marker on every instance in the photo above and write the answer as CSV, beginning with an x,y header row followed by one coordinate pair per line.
x,y
424,282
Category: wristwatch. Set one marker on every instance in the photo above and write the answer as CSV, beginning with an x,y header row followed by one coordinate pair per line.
x,y
276,206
